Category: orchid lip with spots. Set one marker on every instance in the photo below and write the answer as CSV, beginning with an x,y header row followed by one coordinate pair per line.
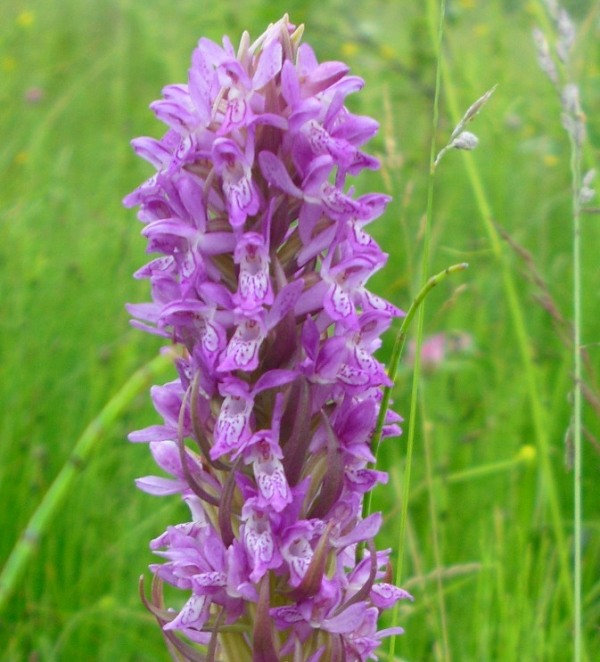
x,y
261,281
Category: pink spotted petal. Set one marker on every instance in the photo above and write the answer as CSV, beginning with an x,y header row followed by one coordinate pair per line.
x,y
337,204
373,302
298,554
272,483
260,546
231,428
242,199
338,303
242,350
193,614
209,579
353,376
237,114
254,289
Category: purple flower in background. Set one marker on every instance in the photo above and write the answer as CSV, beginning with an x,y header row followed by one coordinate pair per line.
x,y
261,280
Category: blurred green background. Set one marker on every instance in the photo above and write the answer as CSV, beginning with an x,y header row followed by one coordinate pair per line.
x,y
492,445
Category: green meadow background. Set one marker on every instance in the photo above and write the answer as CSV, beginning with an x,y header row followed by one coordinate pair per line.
x,y
489,543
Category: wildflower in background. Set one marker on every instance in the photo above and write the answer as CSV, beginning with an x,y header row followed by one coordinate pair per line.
x,y
34,95
437,348
261,280
433,350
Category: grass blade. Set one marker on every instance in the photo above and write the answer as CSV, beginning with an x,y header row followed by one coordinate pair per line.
x,y
86,445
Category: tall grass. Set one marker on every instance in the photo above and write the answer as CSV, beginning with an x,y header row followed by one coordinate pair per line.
x,y
557,64
489,542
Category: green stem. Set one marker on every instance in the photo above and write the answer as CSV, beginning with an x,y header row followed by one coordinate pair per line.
x,y
576,149
433,13
398,349
526,456
435,534
23,550
577,402
394,364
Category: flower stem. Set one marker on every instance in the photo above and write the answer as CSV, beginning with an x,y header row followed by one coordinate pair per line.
x,y
23,550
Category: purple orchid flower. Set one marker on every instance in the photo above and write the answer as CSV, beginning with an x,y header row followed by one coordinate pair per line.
x,y
261,279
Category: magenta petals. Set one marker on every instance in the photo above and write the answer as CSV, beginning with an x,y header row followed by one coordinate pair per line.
x,y
258,282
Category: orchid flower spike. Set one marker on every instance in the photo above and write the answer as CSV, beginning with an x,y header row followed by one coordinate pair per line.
x,y
261,280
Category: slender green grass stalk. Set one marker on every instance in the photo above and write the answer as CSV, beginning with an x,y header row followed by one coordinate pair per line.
x,y
394,364
573,121
397,352
576,158
435,534
83,450
398,348
525,456
523,345
434,11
